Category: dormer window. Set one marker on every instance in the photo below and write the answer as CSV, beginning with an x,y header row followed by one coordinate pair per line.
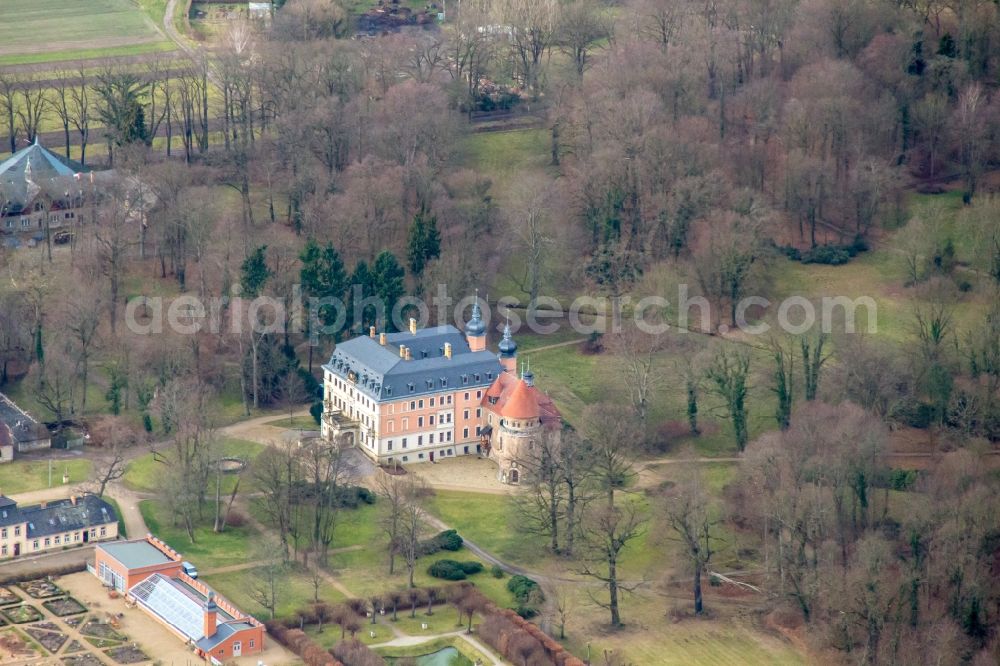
x,y
444,382
477,376
388,390
465,379
410,386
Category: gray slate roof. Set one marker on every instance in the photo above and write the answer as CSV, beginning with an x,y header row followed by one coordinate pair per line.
x,y
57,516
135,554
222,632
383,375
50,174
22,427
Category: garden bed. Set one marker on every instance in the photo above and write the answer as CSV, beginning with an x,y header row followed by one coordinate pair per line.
x,y
75,646
21,614
8,596
13,645
41,588
97,629
127,654
65,606
50,640
82,660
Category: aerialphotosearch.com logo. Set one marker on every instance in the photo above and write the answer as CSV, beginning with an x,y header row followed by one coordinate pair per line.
x,y
325,317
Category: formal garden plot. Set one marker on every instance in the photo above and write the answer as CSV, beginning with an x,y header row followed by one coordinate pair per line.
x,y
46,626
50,640
101,634
82,660
41,588
14,647
8,596
65,606
21,614
74,646
127,654
74,621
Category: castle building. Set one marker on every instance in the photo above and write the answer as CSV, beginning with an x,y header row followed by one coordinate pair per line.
x,y
422,395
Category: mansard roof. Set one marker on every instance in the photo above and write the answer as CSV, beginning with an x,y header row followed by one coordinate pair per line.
x,y
381,373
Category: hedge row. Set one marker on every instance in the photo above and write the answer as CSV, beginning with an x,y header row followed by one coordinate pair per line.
x,y
356,653
298,642
53,572
522,642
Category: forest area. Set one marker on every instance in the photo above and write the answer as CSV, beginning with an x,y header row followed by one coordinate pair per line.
x,y
541,151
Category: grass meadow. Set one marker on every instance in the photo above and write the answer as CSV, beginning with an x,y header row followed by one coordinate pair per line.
x,y
34,31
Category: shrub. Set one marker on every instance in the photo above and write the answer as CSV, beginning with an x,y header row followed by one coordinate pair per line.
x,y
527,594
347,497
310,383
447,540
316,411
471,568
496,571
965,286
902,479
236,519
831,255
914,413
355,653
446,570
521,587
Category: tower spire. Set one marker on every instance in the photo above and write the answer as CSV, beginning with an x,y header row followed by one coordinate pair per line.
x,y
475,329
508,349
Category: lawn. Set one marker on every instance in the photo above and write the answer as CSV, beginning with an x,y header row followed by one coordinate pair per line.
x,y
295,423
143,473
122,532
575,380
471,654
296,591
51,30
505,156
209,550
23,476
652,638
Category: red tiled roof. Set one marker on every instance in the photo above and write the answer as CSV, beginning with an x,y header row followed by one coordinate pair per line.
x,y
514,398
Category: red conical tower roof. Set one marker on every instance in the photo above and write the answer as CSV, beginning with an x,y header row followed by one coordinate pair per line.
x,y
522,403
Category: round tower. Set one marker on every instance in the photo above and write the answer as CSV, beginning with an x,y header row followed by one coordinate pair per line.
x,y
519,432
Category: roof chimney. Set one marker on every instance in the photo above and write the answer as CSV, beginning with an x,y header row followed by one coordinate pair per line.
x,y
371,331
211,615
447,350
413,326
72,499
402,351
409,354
381,338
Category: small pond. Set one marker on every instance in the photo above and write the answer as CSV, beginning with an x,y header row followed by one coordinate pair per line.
x,y
448,656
